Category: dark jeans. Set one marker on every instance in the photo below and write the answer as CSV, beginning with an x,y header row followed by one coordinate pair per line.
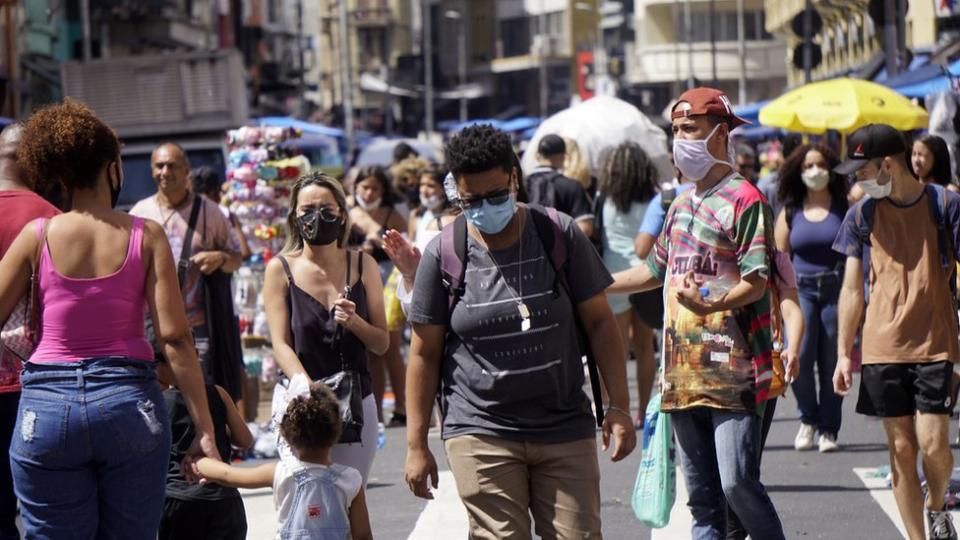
x,y
203,520
720,454
735,529
90,450
819,294
8,500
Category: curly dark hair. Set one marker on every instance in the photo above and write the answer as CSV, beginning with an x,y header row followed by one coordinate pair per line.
x,y
66,143
379,174
478,149
628,176
312,421
792,191
941,159
206,181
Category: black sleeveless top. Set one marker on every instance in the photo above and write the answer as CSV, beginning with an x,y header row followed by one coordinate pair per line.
x,y
182,434
312,329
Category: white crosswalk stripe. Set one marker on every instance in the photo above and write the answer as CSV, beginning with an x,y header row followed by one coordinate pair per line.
x,y
444,517
680,519
884,497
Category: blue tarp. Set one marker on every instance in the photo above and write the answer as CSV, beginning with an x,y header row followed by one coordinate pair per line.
x,y
4,121
750,111
306,127
936,81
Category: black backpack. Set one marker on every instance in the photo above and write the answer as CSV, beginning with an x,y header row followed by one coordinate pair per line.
x,y
541,188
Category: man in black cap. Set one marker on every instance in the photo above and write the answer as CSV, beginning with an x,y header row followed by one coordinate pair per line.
x,y
904,237
547,186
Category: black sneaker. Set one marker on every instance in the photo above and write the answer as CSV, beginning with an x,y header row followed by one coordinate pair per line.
x,y
397,420
941,525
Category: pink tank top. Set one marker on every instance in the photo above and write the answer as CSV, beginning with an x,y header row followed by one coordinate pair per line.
x,y
95,317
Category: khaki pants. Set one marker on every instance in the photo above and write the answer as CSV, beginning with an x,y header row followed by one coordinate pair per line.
x,y
502,482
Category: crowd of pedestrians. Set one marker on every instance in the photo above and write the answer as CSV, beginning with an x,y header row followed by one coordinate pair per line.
x,y
488,299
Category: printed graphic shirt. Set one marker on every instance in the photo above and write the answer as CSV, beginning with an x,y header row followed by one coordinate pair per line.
x,y
721,360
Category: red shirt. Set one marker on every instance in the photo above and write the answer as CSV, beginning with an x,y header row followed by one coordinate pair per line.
x,y
18,208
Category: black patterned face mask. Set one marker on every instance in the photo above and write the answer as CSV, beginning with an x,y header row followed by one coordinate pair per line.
x,y
319,227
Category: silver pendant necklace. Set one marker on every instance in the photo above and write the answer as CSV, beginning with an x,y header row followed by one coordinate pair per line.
x,y
522,309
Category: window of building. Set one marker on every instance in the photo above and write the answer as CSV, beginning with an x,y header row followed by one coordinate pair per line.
x,y
515,36
724,26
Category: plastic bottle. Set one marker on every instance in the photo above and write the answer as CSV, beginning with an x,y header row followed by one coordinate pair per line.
x,y
381,435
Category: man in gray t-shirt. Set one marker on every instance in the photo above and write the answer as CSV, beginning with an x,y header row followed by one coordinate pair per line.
x,y
500,380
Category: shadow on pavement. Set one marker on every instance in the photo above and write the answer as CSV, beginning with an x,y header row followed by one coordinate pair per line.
x,y
844,448
812,488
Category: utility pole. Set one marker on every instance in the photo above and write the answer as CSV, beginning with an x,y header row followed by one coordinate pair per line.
x,y
428,65
713,41
890,36
460,15
346,80
688,23
302,60
85,24
902,34
742,52
542,33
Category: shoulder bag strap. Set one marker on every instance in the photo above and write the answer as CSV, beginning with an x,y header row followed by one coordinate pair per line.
x,y
187,250
338,333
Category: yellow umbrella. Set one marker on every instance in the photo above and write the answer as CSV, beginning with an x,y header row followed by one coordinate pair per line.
x,y
842,105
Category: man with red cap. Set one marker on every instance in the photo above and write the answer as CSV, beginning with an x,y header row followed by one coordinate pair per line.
x,y
713,258
904,238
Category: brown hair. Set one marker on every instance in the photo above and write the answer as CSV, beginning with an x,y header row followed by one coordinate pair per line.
x,y
294,240
312,421
66,143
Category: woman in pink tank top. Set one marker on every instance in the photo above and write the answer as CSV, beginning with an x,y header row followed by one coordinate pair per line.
x,y
90,448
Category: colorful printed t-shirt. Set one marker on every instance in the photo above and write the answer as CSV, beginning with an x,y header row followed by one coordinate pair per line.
x,y
721,360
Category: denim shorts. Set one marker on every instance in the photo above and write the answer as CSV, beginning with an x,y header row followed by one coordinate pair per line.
x,y
90,449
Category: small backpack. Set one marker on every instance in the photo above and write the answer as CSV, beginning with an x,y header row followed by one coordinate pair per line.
x,y
453,269
937,198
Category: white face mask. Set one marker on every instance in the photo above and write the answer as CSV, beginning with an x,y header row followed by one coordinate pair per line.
x,y
432,203
816,178
876,190
371,206
694,160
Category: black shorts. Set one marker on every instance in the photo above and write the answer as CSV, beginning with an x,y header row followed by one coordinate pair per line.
x,y
890,390
649,307
223,519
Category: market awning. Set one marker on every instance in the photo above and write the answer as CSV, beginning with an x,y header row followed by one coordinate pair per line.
x,y
934,81
750,111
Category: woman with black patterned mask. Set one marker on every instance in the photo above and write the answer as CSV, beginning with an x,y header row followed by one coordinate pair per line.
x,y
316,285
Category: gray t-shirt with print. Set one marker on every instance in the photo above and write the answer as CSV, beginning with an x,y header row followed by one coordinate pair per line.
x,y
497,379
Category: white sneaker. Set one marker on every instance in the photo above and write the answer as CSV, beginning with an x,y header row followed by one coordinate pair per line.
x,y
828,443
804,440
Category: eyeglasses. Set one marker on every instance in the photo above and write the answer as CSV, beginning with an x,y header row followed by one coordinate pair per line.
x,y
326,213
495,198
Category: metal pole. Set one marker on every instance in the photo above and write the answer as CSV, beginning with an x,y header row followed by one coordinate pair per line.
x,y
462,60
544,91
890,36
807,41
85,24
346,80
742,52
902,34
688,22
11,62
388,97
302,59
428,65
713,41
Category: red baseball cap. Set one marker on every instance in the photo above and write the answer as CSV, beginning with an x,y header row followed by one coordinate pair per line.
x,y
706,101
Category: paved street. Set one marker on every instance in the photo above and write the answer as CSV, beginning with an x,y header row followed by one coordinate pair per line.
x,y
818,496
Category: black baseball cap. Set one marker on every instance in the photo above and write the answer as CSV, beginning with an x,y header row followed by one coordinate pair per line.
x,y
551,145
872,141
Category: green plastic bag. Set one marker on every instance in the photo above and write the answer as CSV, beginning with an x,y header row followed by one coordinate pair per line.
x,y
656,488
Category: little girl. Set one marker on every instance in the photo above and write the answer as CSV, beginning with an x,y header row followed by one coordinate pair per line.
x,y
315,498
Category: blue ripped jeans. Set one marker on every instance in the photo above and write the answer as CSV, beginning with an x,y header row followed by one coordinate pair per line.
x,y
90,450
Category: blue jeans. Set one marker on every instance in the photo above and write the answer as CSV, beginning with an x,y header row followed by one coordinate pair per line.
x,y
720,454
90,450
819,294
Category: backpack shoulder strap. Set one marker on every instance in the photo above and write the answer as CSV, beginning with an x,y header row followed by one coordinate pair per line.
x,y
863,218
453,259
547,223
937,201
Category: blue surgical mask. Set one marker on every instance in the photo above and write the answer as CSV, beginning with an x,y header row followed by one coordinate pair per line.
x,y
492,218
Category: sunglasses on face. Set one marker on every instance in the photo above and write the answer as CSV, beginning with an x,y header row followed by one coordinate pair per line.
x,y
326,213
495,198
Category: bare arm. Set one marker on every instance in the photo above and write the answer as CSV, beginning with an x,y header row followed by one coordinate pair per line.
x,y
260,476
849,312
373,334
607,347
636,279
275,291
643,243
793,323
781,234
586,225
360,518
15,269
750,289
245,252
423,381
240,435
174,334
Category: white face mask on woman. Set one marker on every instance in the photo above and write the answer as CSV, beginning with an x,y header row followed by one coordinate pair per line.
x,y
816,178
368,206
694,159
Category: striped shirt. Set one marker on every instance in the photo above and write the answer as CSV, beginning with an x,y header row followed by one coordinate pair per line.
x,y
722,360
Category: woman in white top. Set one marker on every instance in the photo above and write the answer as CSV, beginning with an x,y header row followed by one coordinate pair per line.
x,y
627,184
